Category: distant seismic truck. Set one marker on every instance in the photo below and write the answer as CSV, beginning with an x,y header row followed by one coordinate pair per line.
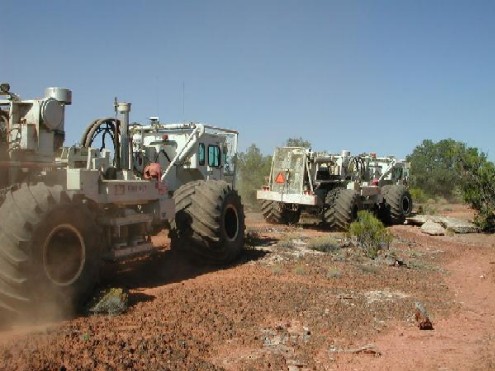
x,y
329,189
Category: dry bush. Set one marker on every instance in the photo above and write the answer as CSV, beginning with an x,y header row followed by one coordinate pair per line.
x,y
324,244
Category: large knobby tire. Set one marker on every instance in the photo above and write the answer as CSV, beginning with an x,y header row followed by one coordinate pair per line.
x,y
275,213
49,255
383,209
342,206
385,189
209,222
328,216
398,203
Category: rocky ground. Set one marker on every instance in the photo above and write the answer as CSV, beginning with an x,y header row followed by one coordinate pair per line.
x,y
285,306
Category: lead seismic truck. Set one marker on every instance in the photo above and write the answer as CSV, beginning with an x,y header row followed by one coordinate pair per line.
x,y
330,189
63,210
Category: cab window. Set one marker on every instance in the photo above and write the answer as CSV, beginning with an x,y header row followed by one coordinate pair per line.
x,y
214,156
201,154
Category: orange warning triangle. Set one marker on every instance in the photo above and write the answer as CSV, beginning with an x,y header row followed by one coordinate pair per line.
x,y
280,178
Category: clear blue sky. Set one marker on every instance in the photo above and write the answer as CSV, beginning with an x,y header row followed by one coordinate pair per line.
x,y
361,75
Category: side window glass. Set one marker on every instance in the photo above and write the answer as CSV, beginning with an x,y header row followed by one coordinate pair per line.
x,y
214,156
201,154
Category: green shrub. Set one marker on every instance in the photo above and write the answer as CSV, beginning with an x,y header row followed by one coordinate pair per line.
x,y
370,233
252,168
478,187
418,195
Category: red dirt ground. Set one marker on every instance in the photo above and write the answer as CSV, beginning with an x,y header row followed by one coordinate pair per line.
x,y
283,306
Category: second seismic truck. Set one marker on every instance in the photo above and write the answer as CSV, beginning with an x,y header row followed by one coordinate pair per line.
x,y
330,189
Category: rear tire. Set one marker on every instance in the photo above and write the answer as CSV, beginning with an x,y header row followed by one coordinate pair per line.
x,y
275,213
342,206
209,222
383,209
398,203
271,212
48,250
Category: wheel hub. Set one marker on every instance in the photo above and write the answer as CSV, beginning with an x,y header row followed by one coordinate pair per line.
x,y
64,255
405,205
231,222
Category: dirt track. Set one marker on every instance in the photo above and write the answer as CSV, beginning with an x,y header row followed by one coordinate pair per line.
x,y
283,306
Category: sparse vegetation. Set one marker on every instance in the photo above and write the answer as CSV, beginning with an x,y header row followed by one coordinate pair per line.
x,y
324,244
423,265
334,273
289,244
428,208
276,269
370,233
300,269
288,240
369,269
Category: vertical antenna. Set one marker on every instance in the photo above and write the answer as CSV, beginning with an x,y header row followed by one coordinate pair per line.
x,y
157,96
183,101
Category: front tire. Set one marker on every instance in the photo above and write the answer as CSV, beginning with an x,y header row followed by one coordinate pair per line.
x,y
399,204
49,251
209,222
